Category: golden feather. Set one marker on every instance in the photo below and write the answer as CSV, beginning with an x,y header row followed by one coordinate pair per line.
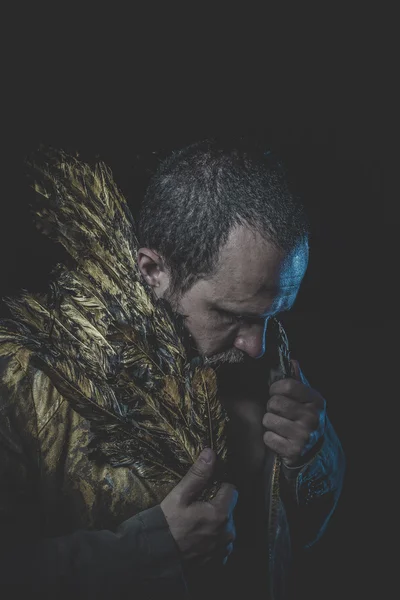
x,y
118,354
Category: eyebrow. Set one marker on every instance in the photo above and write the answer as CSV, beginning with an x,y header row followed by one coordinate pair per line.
x,y
248,315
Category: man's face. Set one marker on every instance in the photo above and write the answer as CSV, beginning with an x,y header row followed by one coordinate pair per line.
x,y
227,315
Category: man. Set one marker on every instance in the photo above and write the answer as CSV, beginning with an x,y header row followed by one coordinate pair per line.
x,y
224,241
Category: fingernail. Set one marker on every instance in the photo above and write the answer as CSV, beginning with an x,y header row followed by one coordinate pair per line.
x,y
206,455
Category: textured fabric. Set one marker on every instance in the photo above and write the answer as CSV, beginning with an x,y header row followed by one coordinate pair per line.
x,y
50,489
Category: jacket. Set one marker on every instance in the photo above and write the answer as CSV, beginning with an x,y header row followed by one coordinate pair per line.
x,y
70,528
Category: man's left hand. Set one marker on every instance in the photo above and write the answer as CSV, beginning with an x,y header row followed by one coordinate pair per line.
x,y
295,419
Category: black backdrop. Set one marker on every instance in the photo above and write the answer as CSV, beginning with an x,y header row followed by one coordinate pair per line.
x,y
339,152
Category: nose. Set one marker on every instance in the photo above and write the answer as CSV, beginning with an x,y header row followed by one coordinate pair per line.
x,y
251,339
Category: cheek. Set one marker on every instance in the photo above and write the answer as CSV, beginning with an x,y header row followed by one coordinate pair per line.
x,y
215,337
213,332
202,327
208,329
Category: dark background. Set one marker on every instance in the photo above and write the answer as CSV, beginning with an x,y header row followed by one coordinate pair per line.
x,y
325,103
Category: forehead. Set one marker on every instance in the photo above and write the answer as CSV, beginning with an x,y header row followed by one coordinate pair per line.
x,y
253,272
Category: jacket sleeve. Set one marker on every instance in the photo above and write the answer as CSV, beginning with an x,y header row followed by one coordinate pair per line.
x,y
140,558
311,492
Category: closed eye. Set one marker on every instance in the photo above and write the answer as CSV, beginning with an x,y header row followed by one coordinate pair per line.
x,y
232,318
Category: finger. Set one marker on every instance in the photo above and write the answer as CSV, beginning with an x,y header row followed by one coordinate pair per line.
x,y
196,479
291,430
284,407
298,373
295,367
294,389
281,446
307,415
226,497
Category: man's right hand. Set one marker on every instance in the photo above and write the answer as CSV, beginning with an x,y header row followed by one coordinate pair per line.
x,y
203,531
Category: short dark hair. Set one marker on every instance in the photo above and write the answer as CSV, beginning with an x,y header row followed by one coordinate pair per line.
x,y
199,193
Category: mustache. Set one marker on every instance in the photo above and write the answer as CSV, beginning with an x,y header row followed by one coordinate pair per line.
x,y
232,356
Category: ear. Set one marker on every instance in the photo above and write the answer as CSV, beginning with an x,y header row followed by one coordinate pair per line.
x,y
152,268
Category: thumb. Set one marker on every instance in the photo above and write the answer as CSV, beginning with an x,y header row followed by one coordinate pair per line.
x,y
297,373
197,478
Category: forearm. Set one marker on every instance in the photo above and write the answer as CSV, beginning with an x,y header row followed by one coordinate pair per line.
x,y
141,556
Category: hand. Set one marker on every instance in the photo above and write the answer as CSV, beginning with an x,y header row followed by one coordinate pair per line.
x,y
203,531
295,419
